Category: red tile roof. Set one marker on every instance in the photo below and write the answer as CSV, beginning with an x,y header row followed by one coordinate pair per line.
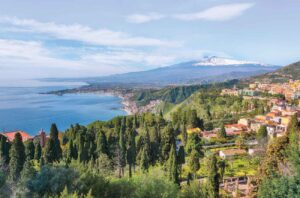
x,y
11,135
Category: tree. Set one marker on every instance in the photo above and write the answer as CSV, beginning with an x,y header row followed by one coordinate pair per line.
x,y
262,133
213,177
194,162
222,132
4,148
29,150
167,140
37,151
181,157
53,151
222,166
121,152
173,166
144,163
102,145
194,143
131,153
17,157
70,152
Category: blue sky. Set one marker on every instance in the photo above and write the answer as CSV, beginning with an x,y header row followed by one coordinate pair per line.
x,y
95,37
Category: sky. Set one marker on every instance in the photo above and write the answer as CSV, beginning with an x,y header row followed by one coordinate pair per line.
x,y
80,38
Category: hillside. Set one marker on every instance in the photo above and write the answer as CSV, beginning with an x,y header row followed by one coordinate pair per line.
x,y
283,74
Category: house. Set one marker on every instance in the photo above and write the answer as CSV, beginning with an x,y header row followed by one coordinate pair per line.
x,y
254,126
255,151
194,130
235,129
230,92
247,92
230,153
11,135
244,121
210,134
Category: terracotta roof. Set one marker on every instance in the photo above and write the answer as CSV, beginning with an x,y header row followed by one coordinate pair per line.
x,y
11,135
233,152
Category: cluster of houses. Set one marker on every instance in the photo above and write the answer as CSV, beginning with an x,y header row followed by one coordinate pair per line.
x,y
276,122
40,138
291,89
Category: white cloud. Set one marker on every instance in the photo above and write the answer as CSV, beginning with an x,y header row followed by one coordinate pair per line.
x,y
144,18
217,13
30,59
84,33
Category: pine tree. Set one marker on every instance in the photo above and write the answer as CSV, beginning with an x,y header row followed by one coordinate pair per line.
x,y
53,151
173,166
213,177
17,157
222,132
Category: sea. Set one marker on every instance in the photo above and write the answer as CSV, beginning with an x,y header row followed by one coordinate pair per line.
x,y
26,109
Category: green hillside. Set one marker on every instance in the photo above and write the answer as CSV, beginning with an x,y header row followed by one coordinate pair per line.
x,y
283,74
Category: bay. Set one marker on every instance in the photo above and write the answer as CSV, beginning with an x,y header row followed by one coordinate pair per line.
x,y
24,108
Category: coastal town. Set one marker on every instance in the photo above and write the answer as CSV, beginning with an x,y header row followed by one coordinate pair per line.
x,y
276,121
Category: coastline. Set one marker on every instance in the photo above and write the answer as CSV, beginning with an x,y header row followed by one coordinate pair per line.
x,y
129,105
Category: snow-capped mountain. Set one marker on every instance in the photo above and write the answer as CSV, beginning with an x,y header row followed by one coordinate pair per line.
x,y
219,61
206,70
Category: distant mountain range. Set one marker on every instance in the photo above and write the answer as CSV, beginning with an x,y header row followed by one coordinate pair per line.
x,y
206,70
283,74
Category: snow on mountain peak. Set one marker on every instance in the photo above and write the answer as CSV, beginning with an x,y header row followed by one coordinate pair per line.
x,y
219,61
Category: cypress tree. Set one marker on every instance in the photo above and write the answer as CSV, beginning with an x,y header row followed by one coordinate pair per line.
x,y
222,132
17,157
194,162
121,152
213,177
29,150
37,151
131,153
53,150
173,166
144,163
102,145
181,157
70,152
4,148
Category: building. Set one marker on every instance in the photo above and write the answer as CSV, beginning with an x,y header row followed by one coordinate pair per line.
x,y
230,153
244,121
11,135
210,134
235,129
255,151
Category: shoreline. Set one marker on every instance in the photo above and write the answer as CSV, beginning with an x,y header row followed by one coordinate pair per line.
x,y
129,105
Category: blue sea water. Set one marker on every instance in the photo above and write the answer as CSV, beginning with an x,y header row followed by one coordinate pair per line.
x,y
23,108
